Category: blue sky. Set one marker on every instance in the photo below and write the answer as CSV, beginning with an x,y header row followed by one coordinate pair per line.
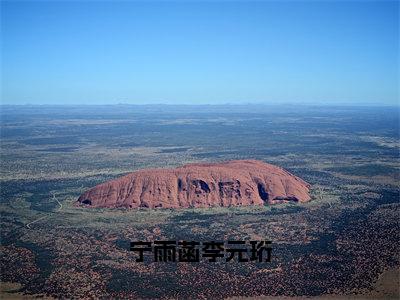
x,y
89,52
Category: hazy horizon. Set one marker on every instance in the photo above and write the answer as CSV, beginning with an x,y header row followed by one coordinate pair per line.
x,y
218,105
322,104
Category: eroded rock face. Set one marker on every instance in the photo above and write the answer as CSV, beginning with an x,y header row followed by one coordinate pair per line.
x,y
232,183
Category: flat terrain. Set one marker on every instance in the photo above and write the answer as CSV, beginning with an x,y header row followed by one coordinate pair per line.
x,y
345,242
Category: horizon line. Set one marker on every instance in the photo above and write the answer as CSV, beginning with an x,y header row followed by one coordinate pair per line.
x,y
373,104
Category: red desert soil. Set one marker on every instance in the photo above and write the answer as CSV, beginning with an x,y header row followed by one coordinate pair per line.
x,y
231,183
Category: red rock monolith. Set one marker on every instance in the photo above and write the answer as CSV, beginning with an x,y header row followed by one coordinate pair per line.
x,y
231,183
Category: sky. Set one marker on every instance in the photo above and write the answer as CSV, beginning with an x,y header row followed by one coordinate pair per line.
x,y
200,52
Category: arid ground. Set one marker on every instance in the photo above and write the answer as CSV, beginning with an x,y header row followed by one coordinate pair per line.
x,y
343,244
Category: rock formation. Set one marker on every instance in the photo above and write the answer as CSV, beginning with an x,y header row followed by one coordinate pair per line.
x,y
231,183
